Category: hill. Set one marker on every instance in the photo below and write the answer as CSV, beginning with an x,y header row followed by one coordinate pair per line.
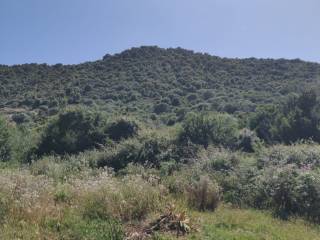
x,y
108,172
152,79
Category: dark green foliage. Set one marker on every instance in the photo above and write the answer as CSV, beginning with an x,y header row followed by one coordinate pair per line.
x,y
248,141
263,122
161,108
297,119
20,118
210,128
143,77
73,131
119,157
5,146
148,151
122,129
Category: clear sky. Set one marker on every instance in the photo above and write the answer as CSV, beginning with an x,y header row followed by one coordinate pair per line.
x,y
73,31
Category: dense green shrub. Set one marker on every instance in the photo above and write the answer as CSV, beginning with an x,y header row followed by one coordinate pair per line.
x,y
73,131
297,119
121,155
149,151
286,190
240,189
283,194
263,122
210,128
308,191
248,141
20,118
122,129
5,146
161,108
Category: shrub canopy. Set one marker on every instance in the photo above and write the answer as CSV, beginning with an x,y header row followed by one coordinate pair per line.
x,y
298,118
122,129
210,128
73,131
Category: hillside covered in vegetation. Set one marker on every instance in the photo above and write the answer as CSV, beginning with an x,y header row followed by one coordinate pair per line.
x,y
160,144
152,80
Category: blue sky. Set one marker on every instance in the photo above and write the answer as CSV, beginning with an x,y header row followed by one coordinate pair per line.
x,y
73,31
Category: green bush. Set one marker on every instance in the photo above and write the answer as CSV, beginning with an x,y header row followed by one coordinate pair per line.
x,y
5,146
122,129
210,128
73,131
149,151
287,190
24,143
248,141
296,193
240,189
308,191
20,118
281,189
295,120
161,108
121,155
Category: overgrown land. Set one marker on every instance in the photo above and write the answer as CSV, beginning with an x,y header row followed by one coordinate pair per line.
x,y
158,144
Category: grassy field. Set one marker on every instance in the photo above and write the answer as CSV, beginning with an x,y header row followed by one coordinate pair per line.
x,y
228,223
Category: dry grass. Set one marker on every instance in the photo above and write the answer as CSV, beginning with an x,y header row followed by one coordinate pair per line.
x,y
36,207
87,206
